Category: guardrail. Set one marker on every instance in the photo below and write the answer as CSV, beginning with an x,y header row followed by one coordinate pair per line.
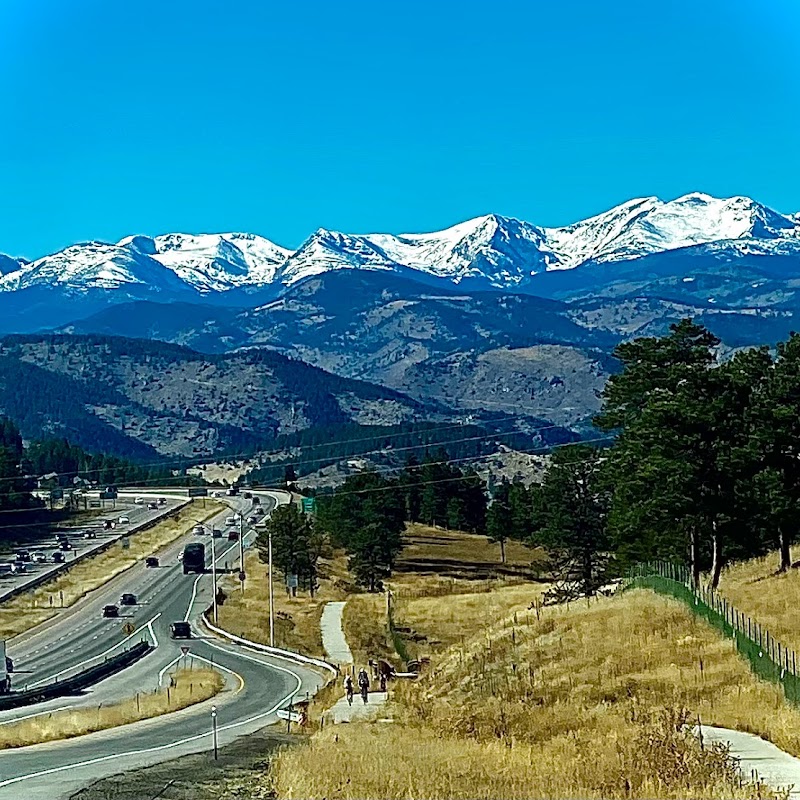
x,y
76,683
274,651
769,658
45,577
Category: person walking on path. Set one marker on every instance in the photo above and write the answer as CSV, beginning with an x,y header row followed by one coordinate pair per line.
x,y
348,687
363,684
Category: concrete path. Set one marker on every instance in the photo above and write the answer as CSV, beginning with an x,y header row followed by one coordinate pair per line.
x,y
773,766
333,639
343,712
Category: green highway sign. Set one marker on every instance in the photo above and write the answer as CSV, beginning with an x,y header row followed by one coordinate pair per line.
x,y
309,505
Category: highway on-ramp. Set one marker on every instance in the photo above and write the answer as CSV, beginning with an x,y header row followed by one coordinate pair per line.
x,y
257,684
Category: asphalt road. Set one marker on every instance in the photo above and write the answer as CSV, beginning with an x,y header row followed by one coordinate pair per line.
x,y
138,515
257,685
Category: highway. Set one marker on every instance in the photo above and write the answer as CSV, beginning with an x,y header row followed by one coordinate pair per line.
x,y
256,684
138,516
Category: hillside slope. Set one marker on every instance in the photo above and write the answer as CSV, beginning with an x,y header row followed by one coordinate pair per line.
x,y
149,397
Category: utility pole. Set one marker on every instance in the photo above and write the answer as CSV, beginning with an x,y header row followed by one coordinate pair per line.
x,y
271,599
214,580
241,550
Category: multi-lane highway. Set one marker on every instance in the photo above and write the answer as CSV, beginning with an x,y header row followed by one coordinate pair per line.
x,y
137,515
257,684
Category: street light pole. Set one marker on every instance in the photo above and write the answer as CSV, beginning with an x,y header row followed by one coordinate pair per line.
x,y
271,600
214,729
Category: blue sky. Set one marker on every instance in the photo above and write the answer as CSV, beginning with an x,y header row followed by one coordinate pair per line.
x,y
278,118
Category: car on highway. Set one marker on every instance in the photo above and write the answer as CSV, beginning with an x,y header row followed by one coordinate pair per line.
x,y
180,630
110,611
128,599
216,533
198,530
22,555
162,501
89,535
38,558
233,536
256,500
139,501
20,567
123,520
58,558
151,561
7,570
152,506
64,544
108,524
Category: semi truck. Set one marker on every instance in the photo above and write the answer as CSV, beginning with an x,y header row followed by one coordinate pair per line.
x,y
194,558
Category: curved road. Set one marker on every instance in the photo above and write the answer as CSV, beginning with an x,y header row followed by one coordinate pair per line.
x,y
257,685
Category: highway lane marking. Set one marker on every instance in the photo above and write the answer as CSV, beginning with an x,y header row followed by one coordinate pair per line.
x,y
197,579
95,658
160,748
37,714
152,632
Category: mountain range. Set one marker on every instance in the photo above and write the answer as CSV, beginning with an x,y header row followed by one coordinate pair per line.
x,y
643,237
492,315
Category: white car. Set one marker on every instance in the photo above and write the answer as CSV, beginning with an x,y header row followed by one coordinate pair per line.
x,y
124,520
38,558
139,501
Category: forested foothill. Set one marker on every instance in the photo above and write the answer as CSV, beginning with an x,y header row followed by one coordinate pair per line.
x,y
701,466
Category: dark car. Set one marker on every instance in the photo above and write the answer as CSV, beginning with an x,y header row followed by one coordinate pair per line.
x,y
65,545
151,561
89,535
152,506
128,599
107,524
110,611
233,536
58,557
22,555
180,630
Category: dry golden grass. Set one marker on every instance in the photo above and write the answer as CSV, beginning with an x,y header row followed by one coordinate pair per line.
x,y
27,610
445,620
755,588
366,628
583,702
297,619
425,542
190,687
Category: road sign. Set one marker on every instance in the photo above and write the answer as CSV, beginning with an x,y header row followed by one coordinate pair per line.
x,y
184,649
309,505
128,628
242,576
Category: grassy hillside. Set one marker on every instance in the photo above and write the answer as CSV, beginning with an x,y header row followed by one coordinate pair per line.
x,y
571,702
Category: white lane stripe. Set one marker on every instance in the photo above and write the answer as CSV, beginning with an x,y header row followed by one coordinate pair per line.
x,y
152,632
37,714
161,672
197,579
159,748
95,658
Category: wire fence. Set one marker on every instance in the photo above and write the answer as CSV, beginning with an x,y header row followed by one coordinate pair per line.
x,y
769,658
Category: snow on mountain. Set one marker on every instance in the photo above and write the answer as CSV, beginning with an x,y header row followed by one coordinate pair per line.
x,y
214,262
93,265
488,251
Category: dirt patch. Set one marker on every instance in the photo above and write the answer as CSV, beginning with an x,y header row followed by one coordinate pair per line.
x,y
241,764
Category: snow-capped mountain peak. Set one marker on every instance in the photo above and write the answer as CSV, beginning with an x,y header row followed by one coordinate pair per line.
x,y
489,251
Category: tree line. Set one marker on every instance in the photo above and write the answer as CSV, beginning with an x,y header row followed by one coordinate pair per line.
x,y
701,465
